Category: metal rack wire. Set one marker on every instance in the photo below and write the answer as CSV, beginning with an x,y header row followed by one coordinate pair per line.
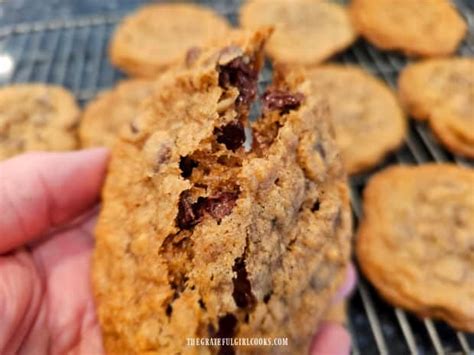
x,y
73,53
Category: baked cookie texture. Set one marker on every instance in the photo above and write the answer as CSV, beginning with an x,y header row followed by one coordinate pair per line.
x,y
415,241
156,36
37,117
442,92
104,116
199,237
367,118
307,32
425,28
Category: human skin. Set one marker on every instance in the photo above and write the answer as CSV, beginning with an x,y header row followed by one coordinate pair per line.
x,y
48,209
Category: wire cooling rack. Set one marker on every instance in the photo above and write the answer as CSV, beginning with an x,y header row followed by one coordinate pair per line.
x,y
73,52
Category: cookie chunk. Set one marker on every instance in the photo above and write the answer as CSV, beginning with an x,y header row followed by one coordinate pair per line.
x,y
415,241
104,116
442,92
37,117
427,28
199,237
307,32
367,118
156,36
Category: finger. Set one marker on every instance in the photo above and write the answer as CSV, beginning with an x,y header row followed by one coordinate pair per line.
x,y
20,299
66,260
332,339
43,190
348,285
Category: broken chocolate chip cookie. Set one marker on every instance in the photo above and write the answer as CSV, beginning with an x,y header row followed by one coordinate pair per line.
x,y
214,241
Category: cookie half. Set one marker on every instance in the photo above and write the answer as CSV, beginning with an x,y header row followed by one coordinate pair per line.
x,y
156,36
442,92
198,237
415,241
367,118
37,117
425,28
105,115
307,32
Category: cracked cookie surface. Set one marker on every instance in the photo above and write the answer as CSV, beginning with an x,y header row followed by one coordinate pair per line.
x,y
428,28
367,118
307,32
156,36
415,243
442,92
37,117
104,116
198,237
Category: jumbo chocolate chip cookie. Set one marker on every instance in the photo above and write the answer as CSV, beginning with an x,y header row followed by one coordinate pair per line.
x,y
307,32
425,28
156,36
37,117
415,242
105,115
442,92
367,118
199,237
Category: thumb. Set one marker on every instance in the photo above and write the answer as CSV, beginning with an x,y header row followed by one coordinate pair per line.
x,y
43,190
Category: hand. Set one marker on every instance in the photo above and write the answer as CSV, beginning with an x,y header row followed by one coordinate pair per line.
x,y
332,338
47,217
46,305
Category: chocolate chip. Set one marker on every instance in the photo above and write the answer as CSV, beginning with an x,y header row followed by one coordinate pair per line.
x,y
240,74
186,164
219,205
163,155
231,135
192,55
242,293
316,206
226,350
169,310
227,329
188,214
283,101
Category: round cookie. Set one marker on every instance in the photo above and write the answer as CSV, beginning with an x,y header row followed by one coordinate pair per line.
x,y
307,32
421,28
367,119
157,36
415,241
37,117
105,115
442,92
